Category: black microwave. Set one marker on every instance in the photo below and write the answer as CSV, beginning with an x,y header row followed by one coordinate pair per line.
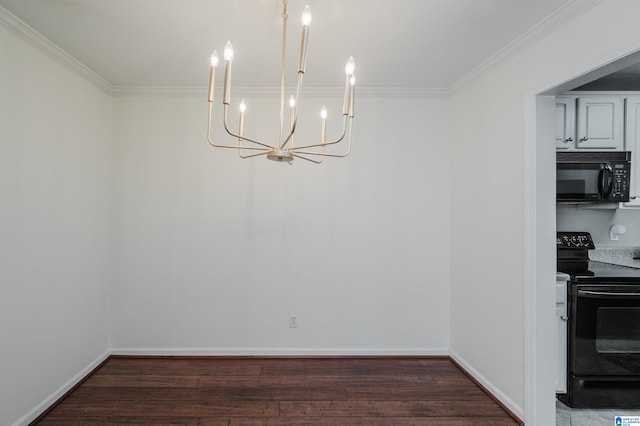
x,y
593,177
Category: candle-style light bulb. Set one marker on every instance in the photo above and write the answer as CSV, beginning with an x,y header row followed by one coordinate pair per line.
x,y
214,59
243,108
228,57
350,66
323,130
352,91
212,74
306,16
292,115
228,51
306,20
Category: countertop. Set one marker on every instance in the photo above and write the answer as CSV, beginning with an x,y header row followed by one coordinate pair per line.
x,y
617,256
611,261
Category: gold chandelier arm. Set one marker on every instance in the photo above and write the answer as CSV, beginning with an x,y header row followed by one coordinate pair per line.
x,y
240,137
302,64
347,113
209,138
344,132
323,154
295,119
252,155
309,159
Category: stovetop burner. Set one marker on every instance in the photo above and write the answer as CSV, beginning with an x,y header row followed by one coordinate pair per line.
x,y
573,259
573,252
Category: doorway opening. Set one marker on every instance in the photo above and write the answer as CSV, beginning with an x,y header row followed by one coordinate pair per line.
x,y
619,75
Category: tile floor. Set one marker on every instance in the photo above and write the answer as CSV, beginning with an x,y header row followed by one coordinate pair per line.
x,y
566,416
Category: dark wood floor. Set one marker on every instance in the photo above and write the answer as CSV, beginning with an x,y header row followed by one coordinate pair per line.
x,y
278,391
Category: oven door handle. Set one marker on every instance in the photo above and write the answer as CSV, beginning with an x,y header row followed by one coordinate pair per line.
x,y
591,293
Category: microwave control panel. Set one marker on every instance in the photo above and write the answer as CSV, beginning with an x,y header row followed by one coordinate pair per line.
x,y
620,188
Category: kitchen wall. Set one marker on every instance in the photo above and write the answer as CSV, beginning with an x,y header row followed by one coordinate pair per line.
x,y
55,135
212,253
501,291
598,222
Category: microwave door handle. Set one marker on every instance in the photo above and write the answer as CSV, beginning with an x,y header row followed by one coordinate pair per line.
x,y
605,181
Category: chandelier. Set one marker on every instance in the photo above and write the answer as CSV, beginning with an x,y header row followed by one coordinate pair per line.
x,y
284,149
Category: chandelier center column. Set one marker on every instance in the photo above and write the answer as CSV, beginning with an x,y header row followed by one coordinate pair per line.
x,y
282,79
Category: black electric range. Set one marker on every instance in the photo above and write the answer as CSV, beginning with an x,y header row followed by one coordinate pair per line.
x,y
603,328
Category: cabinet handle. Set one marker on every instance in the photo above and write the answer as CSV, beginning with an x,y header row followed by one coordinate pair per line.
x,y
564,318
569,140
584,139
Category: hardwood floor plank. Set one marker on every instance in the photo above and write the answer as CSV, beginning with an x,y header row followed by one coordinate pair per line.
x,y
155,380
246,392
133,421
192,367
416,393
318,380
153,408
389,409
372,367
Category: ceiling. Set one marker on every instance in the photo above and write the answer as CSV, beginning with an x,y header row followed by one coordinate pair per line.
x,y
627,78
396,44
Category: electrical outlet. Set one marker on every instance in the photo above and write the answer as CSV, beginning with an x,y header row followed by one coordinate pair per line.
x,y
293,321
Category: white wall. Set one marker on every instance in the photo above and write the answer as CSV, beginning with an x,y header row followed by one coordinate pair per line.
x,y
212,253
493,249
55,133
487,225
598,222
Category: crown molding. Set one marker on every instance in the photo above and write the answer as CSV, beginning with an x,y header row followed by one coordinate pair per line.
x,y
384,92
26,33
560,17
23,31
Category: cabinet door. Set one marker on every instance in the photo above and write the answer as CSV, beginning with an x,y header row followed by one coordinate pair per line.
x,y
632,143
561,350
600,122
561,337
565,123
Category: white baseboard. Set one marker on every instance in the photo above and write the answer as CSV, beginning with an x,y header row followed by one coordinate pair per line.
x,y
44,405
280,352
508,402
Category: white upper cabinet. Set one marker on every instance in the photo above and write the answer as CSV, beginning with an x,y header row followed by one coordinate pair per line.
x,y
600,122
632,143
590,123
565,123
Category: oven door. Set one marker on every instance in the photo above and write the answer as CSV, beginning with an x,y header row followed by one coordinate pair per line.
x,y
605,329
583,181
